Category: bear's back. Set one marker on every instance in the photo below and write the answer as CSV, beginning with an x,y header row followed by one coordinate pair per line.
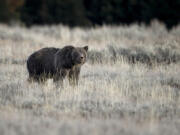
x,y
42,60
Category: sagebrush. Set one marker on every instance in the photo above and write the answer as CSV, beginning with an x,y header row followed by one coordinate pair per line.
x,y
129,85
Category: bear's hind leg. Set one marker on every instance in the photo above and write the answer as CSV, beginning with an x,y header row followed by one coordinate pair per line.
x,y
37,78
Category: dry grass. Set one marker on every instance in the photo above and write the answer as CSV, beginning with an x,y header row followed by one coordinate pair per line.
x,y
130,84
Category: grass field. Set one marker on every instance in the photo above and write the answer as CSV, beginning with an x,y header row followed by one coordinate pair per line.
x,y
130,84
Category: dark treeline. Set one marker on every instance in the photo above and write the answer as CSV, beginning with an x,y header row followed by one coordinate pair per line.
x,y
90,12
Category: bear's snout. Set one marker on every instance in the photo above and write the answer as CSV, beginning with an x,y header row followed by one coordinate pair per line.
x,y
82,57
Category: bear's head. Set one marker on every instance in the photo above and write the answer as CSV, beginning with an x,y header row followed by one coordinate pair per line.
x,y
79,55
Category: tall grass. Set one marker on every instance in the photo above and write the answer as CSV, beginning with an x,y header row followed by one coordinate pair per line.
x,y
129,85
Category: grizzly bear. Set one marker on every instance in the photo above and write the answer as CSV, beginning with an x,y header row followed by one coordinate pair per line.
x,y
57,63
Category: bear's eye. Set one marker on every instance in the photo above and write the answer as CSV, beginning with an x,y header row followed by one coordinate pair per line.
x,y
84,54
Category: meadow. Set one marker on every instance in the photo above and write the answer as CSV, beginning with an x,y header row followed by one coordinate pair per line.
x,y
130,84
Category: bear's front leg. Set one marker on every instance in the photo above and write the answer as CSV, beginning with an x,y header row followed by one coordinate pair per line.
x,y
59,77
74,76
58,80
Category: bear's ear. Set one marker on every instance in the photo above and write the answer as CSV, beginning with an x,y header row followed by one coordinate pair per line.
x,y
85,48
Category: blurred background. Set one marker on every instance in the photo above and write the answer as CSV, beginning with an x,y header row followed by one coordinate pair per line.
x,y
89,13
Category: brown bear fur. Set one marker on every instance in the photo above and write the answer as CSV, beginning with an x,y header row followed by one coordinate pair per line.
x,y
57,64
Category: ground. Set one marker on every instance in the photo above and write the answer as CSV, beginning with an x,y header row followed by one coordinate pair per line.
x,y
130,84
